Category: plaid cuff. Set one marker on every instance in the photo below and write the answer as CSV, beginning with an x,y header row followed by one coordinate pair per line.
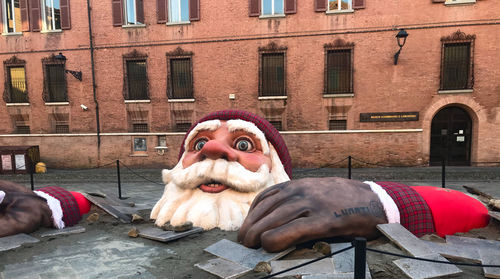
x,y
71,211
415,214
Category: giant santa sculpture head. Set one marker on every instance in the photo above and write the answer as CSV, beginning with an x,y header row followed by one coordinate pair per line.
x,y
225,160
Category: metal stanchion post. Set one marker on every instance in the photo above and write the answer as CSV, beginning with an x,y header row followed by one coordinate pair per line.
x,y
359,257
349,166
119,182
443,173
31,167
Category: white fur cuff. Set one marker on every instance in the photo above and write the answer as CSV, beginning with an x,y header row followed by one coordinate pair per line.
x,y
390,207
2,195
55,206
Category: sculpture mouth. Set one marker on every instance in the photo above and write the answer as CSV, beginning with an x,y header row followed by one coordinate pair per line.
x,y
213,187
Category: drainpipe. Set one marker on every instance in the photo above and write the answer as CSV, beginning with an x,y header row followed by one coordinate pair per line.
x,y
93,81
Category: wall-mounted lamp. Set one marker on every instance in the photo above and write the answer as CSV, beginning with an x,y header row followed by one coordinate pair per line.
x,y
161,149
76,74
401,37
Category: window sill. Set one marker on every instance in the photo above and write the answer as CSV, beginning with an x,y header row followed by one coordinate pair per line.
x,y
138,155
57,104
340,12
137,101
346,95
456,91
459,2
272,16
51,31
134,26
181,100
13,34
161,147
273,97
17,104
178,23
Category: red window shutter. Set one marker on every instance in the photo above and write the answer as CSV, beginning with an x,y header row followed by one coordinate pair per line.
x,y
358,4
23,5
139,10
320,5
194,10
1,17
117,9
290,6
65,15
34,8
254,7
161,11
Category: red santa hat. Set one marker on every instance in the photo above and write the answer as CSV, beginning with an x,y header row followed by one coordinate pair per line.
x,y
272,135
72,205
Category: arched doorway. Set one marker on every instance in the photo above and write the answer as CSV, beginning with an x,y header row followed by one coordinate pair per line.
x,y
451,135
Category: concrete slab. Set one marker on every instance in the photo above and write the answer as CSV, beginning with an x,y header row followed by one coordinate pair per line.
x,y
334,276
242,255
65,231
495,215
416,269
223,268
14,241
454,252
404,239
324,266
166,236
490,257
344,262
108,206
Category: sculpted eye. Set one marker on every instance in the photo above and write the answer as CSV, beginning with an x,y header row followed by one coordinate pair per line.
x,y
199,144
244,144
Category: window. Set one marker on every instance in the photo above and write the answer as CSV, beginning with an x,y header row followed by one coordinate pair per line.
x,y
62,128
338,71
456,66
178,11
16,79
339,5
181,83
136,80
272,76
457,62
140,144
140,127
127,12
455,2
277,124
51,15
182,126
11,16
337,124
22,129
269,8
55,83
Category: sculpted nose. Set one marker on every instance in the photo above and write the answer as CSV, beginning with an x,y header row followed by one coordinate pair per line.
x,y
214,149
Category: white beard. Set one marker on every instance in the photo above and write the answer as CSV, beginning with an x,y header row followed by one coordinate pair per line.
x,y
183,201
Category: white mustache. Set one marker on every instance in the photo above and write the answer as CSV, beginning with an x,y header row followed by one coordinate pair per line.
x,y
231,174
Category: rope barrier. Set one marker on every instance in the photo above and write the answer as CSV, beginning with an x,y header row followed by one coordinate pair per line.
x,y
387,166
309,262
429,260
140,175
324,166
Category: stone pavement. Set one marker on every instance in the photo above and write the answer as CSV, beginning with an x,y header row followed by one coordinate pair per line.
x,y
105,251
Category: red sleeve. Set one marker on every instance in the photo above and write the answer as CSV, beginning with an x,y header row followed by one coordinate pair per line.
x,y
453,211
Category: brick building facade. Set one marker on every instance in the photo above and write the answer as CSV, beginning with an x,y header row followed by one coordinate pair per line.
x,y
322,71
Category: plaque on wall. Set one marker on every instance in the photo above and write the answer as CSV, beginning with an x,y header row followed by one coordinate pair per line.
x,y
20,162
6,162
388,116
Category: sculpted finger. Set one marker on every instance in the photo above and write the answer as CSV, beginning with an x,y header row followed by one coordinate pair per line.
x,y
268,192
296,232
2,195
278,217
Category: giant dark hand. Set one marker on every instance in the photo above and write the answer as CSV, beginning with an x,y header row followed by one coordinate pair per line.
x,y
21,210
301,210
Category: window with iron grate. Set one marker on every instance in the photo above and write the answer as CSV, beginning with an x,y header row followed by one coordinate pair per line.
x,y
140,128
62,129
55,82
22,129
272,78
336,124
456,71
17,84
182,127
180,78
339,71
277,124
137,80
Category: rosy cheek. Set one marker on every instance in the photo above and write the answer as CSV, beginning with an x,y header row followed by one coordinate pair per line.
x,y
189,159
253,162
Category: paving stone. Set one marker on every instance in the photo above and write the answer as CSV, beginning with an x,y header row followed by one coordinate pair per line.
x,y
416,269
223,268
242,255
344,262
490,257
404,239
349,275
166,236
108,206
14,241
324,266
454,251
479,244
495,215
65,231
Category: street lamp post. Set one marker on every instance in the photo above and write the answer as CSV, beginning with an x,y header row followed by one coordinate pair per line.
x,y
401,39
